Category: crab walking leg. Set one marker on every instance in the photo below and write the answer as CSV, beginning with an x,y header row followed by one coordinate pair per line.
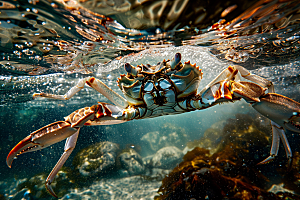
x,y
226,74
275,143
229,90
256,79
96,84
284,113
100,114
277,131
69,147
236,73
286,144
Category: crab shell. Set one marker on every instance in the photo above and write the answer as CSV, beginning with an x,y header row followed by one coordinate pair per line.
x,y
183,79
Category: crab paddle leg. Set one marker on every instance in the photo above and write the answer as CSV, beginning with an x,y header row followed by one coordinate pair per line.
x,y
69,147
95,84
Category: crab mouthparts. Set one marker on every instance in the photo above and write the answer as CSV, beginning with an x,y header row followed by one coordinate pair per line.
x,y
296,124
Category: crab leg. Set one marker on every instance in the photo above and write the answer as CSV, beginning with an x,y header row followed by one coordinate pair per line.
x,y
282,111
228,87
69,147
280,134
286,145
236,73
275,143
95,84
100,114
256,79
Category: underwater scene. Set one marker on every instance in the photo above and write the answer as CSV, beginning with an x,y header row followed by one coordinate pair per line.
x,y
144,99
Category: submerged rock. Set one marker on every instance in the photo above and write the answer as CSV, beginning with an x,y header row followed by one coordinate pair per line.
x,y
97,158
166,158
34,187
130,161
168,135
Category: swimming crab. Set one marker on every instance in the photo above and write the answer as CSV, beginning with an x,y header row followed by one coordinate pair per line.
x,y
170,87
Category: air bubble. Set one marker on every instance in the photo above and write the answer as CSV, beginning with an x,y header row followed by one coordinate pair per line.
x,y
35,10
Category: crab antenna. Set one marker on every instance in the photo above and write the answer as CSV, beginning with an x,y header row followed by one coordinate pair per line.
x,y
131,69
175,60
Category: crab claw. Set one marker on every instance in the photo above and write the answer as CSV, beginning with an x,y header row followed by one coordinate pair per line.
x,y
280,109
41,138
21,147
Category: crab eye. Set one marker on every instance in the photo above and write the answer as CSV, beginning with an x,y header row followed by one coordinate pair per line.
x,y
164,84
177,57
148,87
127,67
175,60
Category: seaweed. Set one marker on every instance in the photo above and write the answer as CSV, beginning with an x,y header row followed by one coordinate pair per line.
x,y
229,173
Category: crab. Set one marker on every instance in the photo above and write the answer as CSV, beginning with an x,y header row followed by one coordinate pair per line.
x,y
168,88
